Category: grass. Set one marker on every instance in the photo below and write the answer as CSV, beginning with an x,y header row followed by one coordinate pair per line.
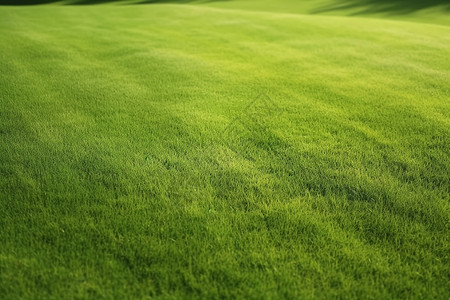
x,y
193,151
430,11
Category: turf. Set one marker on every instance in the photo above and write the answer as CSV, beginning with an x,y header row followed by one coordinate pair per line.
x,y
196,151
426,11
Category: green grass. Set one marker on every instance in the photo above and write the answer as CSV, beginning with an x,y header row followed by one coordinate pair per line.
x,y
135,161
427,11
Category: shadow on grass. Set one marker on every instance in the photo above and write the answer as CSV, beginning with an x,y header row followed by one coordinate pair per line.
x,y
25,2
382,6
361,6
92,2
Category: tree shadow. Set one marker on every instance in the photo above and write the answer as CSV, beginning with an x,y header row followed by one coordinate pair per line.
x,y
93,2
26,2
382,6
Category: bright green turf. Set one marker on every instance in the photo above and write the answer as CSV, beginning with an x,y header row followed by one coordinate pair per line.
x,y
123,175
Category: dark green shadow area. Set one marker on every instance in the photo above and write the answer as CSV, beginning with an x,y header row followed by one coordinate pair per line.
x,y
93,2
382,6
360,7
25,2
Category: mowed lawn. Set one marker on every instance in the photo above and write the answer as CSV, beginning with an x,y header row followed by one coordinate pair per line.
x,y
190,151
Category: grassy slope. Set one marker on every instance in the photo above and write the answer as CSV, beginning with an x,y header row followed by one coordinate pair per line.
x,y
431,11
122,176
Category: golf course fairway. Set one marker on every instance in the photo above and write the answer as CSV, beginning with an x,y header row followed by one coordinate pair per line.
x,y
224,150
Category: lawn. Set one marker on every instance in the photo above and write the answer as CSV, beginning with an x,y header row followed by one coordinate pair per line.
x,y
232,149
